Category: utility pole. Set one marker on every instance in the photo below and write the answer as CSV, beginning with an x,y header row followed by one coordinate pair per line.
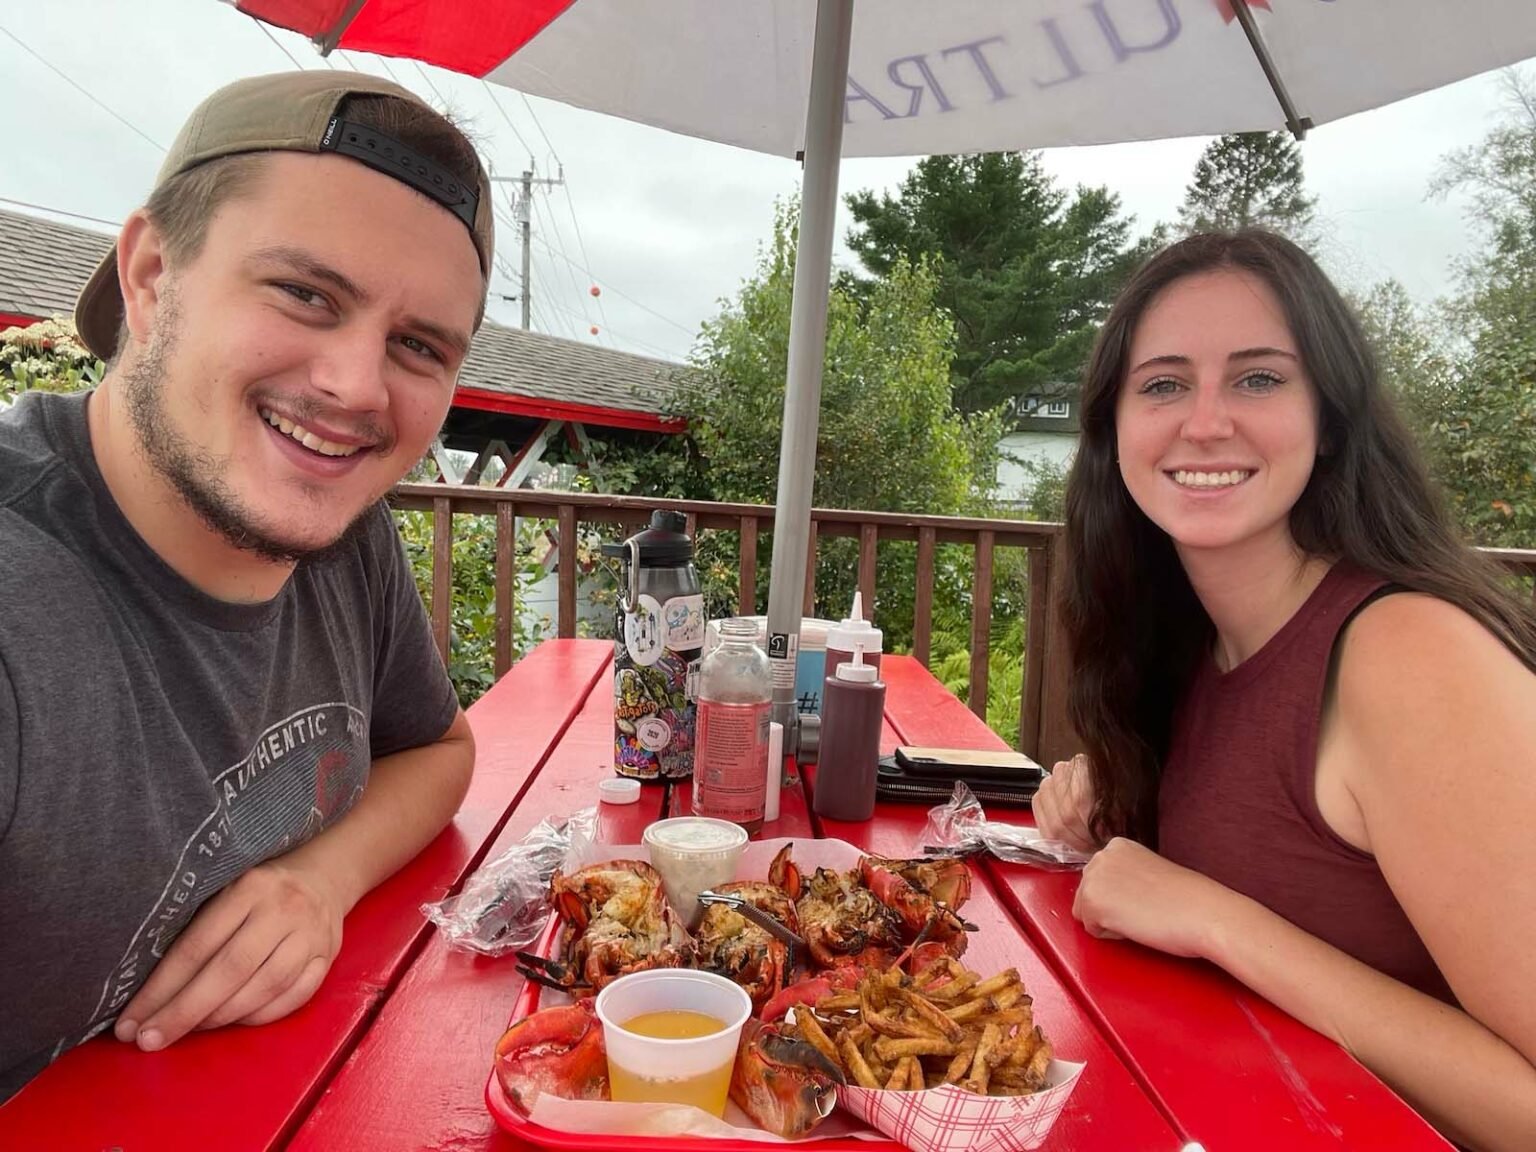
x,y
525,220
523,213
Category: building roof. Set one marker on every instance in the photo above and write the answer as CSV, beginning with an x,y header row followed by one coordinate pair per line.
x,y
44,264
541,367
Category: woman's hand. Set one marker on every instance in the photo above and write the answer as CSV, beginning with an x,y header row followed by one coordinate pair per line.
x,y
1063,806
1130,892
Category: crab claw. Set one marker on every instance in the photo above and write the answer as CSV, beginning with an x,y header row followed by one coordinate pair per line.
x,y
556,1050
783,873
945,878
810,990
550,973
916,891
785,1085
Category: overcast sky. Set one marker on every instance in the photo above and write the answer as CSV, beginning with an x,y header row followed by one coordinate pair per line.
x,y
666,226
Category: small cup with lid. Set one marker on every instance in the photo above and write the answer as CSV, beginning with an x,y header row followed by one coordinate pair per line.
x,y
693,854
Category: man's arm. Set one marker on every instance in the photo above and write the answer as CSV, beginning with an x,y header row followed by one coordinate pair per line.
x,y
260,948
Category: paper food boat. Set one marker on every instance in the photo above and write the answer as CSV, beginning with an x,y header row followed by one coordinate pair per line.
x,y
949,1119
944,1119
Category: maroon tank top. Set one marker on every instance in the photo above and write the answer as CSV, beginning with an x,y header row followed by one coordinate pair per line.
x,y
1238,800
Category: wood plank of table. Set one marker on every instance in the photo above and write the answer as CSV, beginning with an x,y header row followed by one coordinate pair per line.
x,y
239,1089
417,1079
1229,1067
1109,1110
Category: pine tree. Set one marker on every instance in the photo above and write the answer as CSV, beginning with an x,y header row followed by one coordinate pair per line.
x,y
1025,269
1250,179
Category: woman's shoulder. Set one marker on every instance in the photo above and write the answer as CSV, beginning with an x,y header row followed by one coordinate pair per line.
x,y
1416,632
1415,669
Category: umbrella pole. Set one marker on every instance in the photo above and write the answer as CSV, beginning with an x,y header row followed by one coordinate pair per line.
x,y
807,348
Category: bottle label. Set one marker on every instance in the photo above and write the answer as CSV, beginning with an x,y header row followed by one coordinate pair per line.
x,y
731,771
655,680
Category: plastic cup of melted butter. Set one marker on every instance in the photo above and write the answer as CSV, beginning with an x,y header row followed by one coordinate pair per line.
x,y
671,1036
693,853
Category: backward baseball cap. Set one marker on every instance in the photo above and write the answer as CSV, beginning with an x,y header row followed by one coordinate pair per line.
x,y
292,112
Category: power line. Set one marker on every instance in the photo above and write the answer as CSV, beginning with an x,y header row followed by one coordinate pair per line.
x,y
60,212
586,261
539,126
441,103
280,46
624,295
60,73
581,246
576,288
662,352
506,221
390,70
492,93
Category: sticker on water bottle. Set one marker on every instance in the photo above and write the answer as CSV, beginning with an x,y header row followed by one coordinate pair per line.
x,y
654,734
645,631
682,623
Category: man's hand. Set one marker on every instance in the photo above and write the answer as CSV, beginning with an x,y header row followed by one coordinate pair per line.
x,y
1063,805
1130,892
252,954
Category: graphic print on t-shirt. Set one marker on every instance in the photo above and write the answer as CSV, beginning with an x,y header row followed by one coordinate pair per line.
x,y
300,774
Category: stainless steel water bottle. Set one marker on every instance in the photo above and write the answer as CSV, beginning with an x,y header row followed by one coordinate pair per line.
x,y
658,637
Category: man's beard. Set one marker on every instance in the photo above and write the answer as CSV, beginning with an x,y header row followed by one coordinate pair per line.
x,y
195,473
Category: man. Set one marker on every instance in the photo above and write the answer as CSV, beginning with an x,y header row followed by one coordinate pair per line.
x,y
222,717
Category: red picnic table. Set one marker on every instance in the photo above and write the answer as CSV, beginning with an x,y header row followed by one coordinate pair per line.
x,y
394,1050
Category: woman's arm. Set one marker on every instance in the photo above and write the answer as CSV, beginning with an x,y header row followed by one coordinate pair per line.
x,y
1435,723
1472,1085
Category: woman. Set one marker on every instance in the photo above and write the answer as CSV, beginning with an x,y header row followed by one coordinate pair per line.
x,y
1308,710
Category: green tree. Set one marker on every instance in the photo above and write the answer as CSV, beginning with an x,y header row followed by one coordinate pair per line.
x,y
1025,270
1485,427
1044,497
889,439
1250,179
1413,350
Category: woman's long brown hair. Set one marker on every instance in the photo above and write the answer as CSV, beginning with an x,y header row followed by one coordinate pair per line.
x,y
1135,629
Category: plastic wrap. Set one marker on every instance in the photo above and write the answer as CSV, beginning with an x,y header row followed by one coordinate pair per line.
x,y
961,826
505,904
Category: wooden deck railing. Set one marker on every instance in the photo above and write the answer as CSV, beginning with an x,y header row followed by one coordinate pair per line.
x,y
1044,730
1043,727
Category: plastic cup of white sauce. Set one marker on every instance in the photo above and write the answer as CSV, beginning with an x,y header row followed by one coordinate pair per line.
x,y
693,853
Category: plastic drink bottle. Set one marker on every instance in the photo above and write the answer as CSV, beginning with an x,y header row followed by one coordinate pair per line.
x,y
730,772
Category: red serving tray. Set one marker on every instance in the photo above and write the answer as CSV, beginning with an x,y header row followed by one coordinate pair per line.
x,y
528,1002
515,1123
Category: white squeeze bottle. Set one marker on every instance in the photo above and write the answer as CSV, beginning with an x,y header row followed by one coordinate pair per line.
x,y
855,634
731,745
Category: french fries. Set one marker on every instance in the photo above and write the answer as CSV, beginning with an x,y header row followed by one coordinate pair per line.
x,y
944,1025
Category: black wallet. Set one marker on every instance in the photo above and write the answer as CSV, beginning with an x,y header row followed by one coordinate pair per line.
x,y
930,779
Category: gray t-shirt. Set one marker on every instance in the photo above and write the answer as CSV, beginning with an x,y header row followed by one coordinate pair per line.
x,y
156,743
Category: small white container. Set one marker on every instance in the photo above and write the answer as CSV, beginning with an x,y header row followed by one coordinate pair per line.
x,y
659,1062
619,790
693,853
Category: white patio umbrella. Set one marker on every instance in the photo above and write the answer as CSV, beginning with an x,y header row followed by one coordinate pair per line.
x,y
821,79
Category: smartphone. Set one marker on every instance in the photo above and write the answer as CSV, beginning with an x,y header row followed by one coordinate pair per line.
x,y
967,764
